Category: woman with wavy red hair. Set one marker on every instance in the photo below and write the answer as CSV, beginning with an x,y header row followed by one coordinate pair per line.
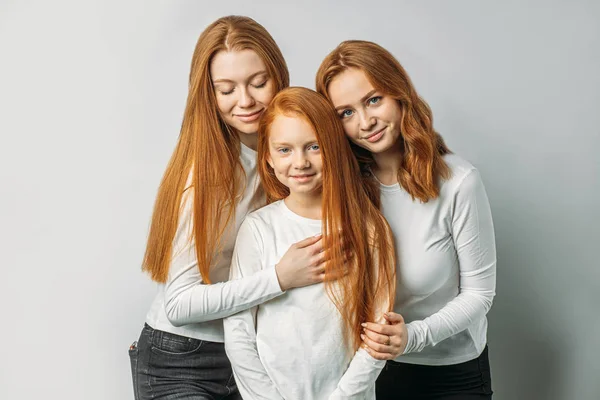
x,y
209,186
305,344
438,210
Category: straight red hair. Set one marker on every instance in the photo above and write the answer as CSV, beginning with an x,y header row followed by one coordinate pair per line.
x,y
349,216
207,149
422,163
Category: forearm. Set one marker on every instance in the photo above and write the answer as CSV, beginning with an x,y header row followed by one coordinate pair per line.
x,y
251,378
358,382
465,309
197,302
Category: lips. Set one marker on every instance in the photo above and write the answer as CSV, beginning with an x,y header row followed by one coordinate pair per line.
x,y
375,136
249,117
303,177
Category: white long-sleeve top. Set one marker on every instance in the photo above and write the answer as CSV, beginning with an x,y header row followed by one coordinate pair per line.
x,y
446,266
186,306
290,347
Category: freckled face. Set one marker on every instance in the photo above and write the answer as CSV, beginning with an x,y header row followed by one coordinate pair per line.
x,y
243,88
295,155
371,118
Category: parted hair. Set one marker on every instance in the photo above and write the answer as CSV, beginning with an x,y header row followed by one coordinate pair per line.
x,y
423,148
208,150
365,284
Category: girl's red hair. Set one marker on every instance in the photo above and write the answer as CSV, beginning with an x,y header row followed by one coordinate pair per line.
x,y
349,216
422,163
207,149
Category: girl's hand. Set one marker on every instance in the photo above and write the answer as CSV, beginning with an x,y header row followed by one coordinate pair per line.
x,y
303,264
385,341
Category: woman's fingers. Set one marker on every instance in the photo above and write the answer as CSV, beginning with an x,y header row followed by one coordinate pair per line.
x,y
379,328
320,258
379,355
377,337
309,241
393,317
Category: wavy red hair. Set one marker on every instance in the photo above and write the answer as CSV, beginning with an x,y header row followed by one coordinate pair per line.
x,y
422,163
349,216
207,149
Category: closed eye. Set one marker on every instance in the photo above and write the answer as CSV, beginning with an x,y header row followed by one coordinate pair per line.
x,y
260,85
226,92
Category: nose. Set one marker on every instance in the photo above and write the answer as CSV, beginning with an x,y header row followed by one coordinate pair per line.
x,y
366,121
301,161
246,100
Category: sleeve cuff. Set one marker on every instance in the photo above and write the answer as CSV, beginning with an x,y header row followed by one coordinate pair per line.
x,y
362,353
412,338
274,286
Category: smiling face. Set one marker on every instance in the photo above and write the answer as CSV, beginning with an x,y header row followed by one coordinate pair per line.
x,y
243,89
370,117
295,156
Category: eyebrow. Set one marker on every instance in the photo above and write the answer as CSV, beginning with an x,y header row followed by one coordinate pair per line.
x,y
275,144
365,97
254,75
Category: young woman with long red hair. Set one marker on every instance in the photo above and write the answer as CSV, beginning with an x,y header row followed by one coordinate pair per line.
x,y
305,344
209,186
438,210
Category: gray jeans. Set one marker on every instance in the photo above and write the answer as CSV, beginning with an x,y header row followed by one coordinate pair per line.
x,y
168,366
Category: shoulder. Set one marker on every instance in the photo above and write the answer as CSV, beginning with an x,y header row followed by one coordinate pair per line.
x,y
258,224
265,216
459,167
465,179
461,172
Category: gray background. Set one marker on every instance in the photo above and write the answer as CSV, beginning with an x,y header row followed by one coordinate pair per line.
x,y
91,100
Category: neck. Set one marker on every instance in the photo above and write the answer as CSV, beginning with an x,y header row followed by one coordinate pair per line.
x,y
307,205
387,165
249,139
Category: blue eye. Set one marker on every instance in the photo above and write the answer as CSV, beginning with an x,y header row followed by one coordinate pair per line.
x,y
314,147
374,100
346,113
283,150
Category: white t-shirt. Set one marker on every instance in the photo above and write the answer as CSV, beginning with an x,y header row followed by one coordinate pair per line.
x,y
290,347
446,266
184,305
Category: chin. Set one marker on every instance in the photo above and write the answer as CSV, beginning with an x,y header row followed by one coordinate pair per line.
x,y
247,129
380,147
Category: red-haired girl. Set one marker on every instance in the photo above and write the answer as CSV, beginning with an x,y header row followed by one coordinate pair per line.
x,y
438,210
209,186
305,343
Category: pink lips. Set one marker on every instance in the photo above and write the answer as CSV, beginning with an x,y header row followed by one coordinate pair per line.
x,y
375,137
303,178
251,117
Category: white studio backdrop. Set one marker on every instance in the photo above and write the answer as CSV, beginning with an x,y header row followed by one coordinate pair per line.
x,y
91,100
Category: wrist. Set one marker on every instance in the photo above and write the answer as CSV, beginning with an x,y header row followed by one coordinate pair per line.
x,y
283,284
410,339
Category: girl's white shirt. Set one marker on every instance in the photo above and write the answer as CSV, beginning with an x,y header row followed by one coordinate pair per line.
x,y
291,347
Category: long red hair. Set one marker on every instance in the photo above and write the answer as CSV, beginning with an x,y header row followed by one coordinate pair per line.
x,y
349,216
422,163
207,149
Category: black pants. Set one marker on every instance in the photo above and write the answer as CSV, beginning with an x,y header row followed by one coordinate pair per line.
x,y
470,380
166,366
